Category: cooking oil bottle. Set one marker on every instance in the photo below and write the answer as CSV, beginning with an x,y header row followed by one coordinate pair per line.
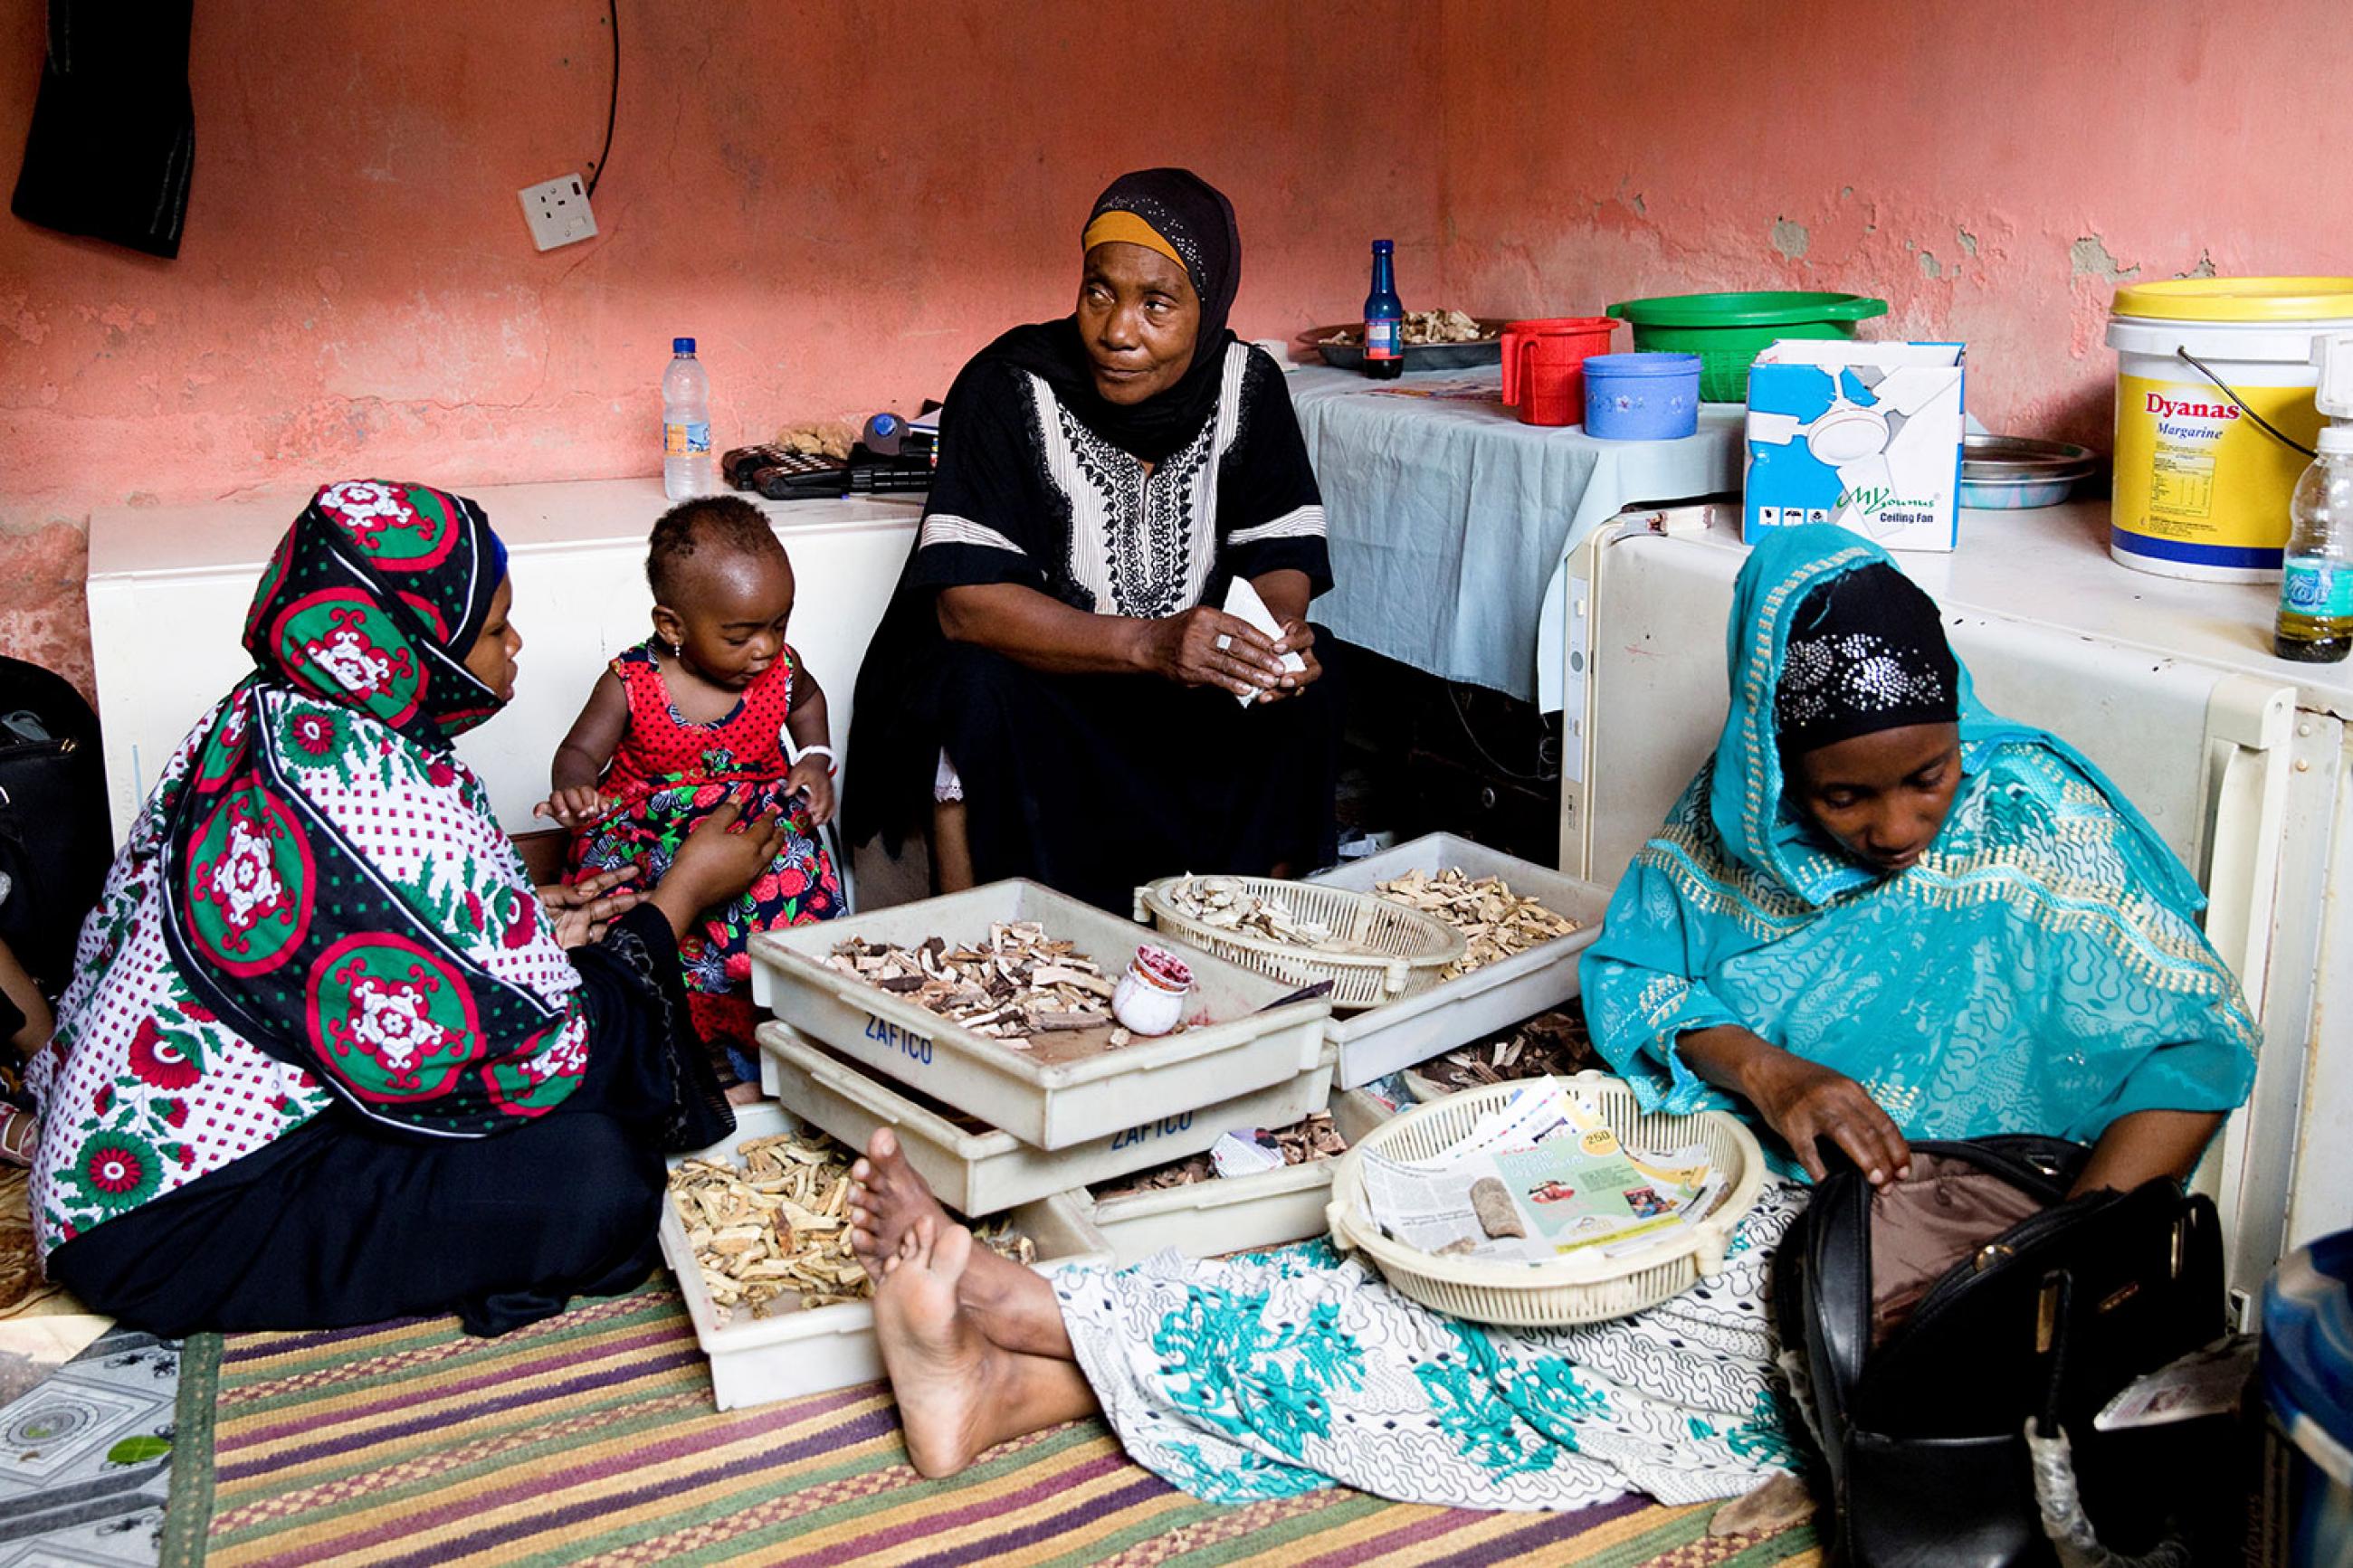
x,y
2316,612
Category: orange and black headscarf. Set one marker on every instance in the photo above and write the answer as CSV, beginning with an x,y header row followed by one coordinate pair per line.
x,y
1184,217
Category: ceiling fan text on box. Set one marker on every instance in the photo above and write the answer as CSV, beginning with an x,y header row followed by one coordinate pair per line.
x,y
558,211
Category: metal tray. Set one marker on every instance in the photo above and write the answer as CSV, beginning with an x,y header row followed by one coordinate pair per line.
x,y
983,1172
755,1360
1051,1105
1380,1040
1417,356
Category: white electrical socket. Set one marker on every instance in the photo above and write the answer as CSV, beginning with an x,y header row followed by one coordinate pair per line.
x,y
558,211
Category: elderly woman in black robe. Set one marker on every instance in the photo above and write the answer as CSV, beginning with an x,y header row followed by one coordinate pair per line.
x,y
1055,691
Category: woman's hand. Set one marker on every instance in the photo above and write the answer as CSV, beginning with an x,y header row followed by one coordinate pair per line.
x,y
1806,1103
717,862
574,808
1803,1101
812,782
1297,638
1207,647
583,911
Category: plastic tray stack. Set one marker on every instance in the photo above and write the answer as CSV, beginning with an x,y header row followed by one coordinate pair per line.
x,y
755,1360
1049,1106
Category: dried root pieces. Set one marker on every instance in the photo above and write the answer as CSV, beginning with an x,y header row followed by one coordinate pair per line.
x,y
772,1235
1020,984
1550,1044
1430,326
1495,922
1225,904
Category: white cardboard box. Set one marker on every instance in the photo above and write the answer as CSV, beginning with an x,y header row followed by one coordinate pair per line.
x,y
1866,436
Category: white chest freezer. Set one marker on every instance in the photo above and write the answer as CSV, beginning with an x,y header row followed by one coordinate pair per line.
x,y
2238,758
169,586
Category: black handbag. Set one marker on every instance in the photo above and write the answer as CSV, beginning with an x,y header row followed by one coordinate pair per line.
x,y
55,841
1936,1316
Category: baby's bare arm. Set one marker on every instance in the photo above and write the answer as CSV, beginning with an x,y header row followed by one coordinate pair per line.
x,y
580,760
806,720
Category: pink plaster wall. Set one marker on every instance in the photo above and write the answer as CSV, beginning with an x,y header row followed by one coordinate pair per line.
x,y
1992,168
843,200
840,201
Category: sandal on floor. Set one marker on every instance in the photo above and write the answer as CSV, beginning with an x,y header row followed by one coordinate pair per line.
x,y
20,1134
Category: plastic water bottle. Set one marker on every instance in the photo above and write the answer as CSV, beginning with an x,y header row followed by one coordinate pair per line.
x,y
1384,317
688,467
2315,610
2315,613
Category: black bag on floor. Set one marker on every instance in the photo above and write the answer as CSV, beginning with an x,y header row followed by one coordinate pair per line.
x,y
1937,1314
56,843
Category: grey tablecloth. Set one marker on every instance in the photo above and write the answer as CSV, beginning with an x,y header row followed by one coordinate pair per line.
x,y
1450,519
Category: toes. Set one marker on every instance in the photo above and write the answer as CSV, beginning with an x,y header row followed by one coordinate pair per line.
x,y
883,1145
861,1171
953,1251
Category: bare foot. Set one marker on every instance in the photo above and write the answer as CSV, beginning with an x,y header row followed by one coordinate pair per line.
x,y
886,1198
744,1094
942,1367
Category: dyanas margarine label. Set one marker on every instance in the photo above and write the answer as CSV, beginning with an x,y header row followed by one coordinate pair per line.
x,y
2197,478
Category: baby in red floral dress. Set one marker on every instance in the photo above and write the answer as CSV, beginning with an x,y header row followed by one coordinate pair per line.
x,y
696,715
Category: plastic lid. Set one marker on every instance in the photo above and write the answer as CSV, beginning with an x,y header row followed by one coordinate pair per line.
x,y
681,345
2308,1355
1384,244
2239,300
2335,438
1641,364
1758,308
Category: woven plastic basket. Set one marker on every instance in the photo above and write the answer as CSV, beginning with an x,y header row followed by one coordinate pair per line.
x,y
1583,1287
1404,951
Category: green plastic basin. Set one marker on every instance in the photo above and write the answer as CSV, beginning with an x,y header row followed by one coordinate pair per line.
x,y
1729,331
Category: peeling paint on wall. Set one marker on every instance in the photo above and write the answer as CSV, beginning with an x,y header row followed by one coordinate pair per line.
x,y
1791,238
2088,257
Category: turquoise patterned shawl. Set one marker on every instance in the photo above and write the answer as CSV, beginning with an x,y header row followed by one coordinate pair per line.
x,y
2038,970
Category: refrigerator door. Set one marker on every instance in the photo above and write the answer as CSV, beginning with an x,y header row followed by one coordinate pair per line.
x,y
2202,751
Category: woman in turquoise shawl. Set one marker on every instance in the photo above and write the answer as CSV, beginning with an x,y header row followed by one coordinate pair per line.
x,y
1935,929
1879,913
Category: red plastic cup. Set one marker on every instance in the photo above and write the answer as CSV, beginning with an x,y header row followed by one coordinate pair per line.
x,y
1543,366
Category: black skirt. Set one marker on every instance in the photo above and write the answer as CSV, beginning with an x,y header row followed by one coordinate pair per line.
x,y
346,1220
1095,784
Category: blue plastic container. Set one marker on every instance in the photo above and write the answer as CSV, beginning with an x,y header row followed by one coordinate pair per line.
x,y
1642,398
2306,1368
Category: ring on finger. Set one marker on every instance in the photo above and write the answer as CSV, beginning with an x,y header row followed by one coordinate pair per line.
x,y
1225,642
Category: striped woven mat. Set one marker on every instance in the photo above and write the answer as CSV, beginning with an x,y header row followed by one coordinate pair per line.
x,y
590,1438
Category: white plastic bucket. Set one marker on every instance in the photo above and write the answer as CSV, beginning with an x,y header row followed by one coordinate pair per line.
x,y
2201,489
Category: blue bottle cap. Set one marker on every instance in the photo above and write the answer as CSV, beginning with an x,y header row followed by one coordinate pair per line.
x,y
1384,244
681,345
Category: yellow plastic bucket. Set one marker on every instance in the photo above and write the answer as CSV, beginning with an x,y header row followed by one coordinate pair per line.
x,y
2201,488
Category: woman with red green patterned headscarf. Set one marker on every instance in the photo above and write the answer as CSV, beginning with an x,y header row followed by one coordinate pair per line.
x,y
328,1057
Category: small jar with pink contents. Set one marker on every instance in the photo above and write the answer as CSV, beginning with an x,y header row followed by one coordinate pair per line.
x,y
1150,997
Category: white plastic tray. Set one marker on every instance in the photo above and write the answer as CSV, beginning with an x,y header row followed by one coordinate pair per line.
x,y
1232,1214
1380,1040
1053,1106
985,1171
755,1360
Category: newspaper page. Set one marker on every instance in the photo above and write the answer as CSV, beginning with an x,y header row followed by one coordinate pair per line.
x,y
1541,1176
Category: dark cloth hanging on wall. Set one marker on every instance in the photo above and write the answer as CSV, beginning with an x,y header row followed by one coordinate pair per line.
x,y
113,140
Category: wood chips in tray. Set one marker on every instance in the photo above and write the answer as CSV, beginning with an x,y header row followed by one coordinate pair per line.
x,y
1495,922
1313,1138
772,1235
1021,984
1550,1043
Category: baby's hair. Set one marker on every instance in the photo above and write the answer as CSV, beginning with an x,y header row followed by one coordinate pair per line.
x,y
724,525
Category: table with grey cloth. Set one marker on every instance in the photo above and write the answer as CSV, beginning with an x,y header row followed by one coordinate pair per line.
x,y
1450,520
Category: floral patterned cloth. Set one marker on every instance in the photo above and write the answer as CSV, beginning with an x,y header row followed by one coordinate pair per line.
x,y
1266,1375
667,775
316,903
